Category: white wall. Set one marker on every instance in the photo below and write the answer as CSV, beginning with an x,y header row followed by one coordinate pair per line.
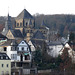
x,y
23,45
31,46
9,52
54,50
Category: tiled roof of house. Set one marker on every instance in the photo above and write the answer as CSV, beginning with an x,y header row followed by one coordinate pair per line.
x,y
24,15
17,33
38,35
2,36
4,56
4,32
37,42
55,43
9,43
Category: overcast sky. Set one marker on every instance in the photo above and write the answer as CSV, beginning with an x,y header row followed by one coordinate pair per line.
x,y
37,6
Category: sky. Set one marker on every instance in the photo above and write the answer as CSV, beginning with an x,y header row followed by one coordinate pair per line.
x,y
14,7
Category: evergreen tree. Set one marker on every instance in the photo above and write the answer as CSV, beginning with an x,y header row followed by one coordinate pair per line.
x,y
37,56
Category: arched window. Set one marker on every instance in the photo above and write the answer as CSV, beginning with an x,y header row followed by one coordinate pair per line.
x,y
20,24
26,23
22,48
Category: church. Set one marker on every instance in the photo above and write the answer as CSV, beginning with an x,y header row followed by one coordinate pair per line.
x,y
19,35
23,27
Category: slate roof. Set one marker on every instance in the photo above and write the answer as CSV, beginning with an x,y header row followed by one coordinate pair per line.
x,y
55,43
38,35
17,33
24,15
43,23
2,36
37,42
4,56
9,43
23,32
4,32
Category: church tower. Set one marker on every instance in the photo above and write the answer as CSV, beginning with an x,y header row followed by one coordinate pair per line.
x,y
8,25
25,23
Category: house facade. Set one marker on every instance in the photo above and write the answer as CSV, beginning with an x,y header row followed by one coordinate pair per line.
x,y
19,52
5,64
54,48
70,50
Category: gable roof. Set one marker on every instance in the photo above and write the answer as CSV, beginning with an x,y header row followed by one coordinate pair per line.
x,y
17,33
4,32
25,42
54,43
9,43
38,35
2,36
4,56
37,42
24,15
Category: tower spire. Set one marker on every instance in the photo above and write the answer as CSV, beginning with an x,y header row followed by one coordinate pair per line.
x,y
8,10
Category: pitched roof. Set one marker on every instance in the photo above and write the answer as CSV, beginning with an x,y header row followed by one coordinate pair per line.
x,y
7,43
4,32
38,35
17,33
55,43
2,36
4,56
43,23
24,15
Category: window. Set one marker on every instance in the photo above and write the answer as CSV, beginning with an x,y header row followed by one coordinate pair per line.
x,y
6,57
7,65
5,48
27,57
26,23
2,65
22,48
1,57
17,24
14,56
31,31
27,48
20,24
22,42
17,48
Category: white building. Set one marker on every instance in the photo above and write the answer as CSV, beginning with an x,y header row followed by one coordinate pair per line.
x,y
31,46
24,53
18,51
54,48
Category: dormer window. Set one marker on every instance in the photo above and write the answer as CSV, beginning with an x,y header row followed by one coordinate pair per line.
x,y
1,57
6,57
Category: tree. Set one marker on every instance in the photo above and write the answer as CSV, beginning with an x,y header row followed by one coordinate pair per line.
x,y
72,37
66,60
37,56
